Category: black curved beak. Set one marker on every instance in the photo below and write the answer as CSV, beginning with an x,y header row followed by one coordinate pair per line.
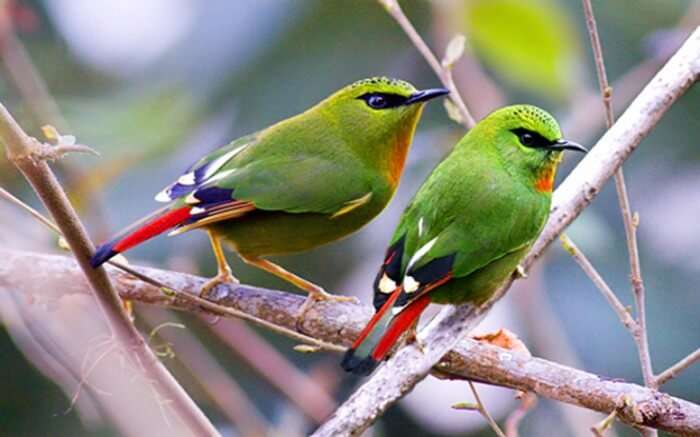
x,y
425,95
568,145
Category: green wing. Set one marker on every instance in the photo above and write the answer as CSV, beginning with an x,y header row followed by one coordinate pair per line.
x,y
468,214
266,175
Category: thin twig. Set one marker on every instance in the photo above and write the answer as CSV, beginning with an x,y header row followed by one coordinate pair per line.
x,y
444,73
20,147
215,308
33,212
581,259
527,403
630,224
677,368
601,427
484,412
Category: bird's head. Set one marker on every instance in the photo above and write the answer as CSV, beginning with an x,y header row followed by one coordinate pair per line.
x,y
378,116
529,140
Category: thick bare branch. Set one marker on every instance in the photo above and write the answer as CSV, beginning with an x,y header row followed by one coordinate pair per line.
x,y
411,364
339,323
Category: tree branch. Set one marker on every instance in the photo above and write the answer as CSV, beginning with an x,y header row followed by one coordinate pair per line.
x,y
410,364
340,322
21,150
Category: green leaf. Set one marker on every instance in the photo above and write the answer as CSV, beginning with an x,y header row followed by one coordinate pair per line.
x,y
530,44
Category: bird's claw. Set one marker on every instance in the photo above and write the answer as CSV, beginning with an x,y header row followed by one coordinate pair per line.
x,y
318,295
210,285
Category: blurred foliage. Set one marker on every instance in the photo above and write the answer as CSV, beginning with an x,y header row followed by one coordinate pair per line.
x,y
530,44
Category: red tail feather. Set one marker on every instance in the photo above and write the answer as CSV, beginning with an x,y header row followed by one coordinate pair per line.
x,y
153,227
399,325
156,226
376,317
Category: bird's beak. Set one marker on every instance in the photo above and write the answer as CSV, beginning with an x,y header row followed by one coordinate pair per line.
x,y
568,145
425,95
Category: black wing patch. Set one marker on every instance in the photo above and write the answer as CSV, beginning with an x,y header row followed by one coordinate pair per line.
x,y
426,277
391,271
197,175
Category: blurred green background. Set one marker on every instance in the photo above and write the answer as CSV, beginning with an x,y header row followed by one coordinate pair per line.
x,y
153,85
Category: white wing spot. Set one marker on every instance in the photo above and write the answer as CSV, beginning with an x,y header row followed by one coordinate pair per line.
x,y
386,284
186,179
410,285
191,199
420,227
197,210
164,196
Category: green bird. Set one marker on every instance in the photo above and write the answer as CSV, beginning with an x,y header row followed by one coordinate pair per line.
x,y
468,226
300,183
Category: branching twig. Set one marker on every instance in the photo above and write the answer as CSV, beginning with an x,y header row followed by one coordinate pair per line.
x,y
20,150
527,403
444,73
340,322
599,282
484,412
630,223
677,368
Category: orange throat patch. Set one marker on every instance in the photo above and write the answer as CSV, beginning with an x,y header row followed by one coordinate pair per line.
x,y
397,158
545,179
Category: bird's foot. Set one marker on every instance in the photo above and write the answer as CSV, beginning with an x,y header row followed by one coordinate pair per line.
x,y
412,338
318,294
221,278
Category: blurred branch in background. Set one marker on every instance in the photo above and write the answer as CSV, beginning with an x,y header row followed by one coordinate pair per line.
x,y
411,364
228,396
23,152
306,394
339,323
24,76
547,335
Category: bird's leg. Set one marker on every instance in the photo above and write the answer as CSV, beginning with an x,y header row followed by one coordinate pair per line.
x,y
316,293
224,274
412,337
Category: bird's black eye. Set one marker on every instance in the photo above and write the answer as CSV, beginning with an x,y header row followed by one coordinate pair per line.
x,y
377,101
383,100
526,139
531,139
